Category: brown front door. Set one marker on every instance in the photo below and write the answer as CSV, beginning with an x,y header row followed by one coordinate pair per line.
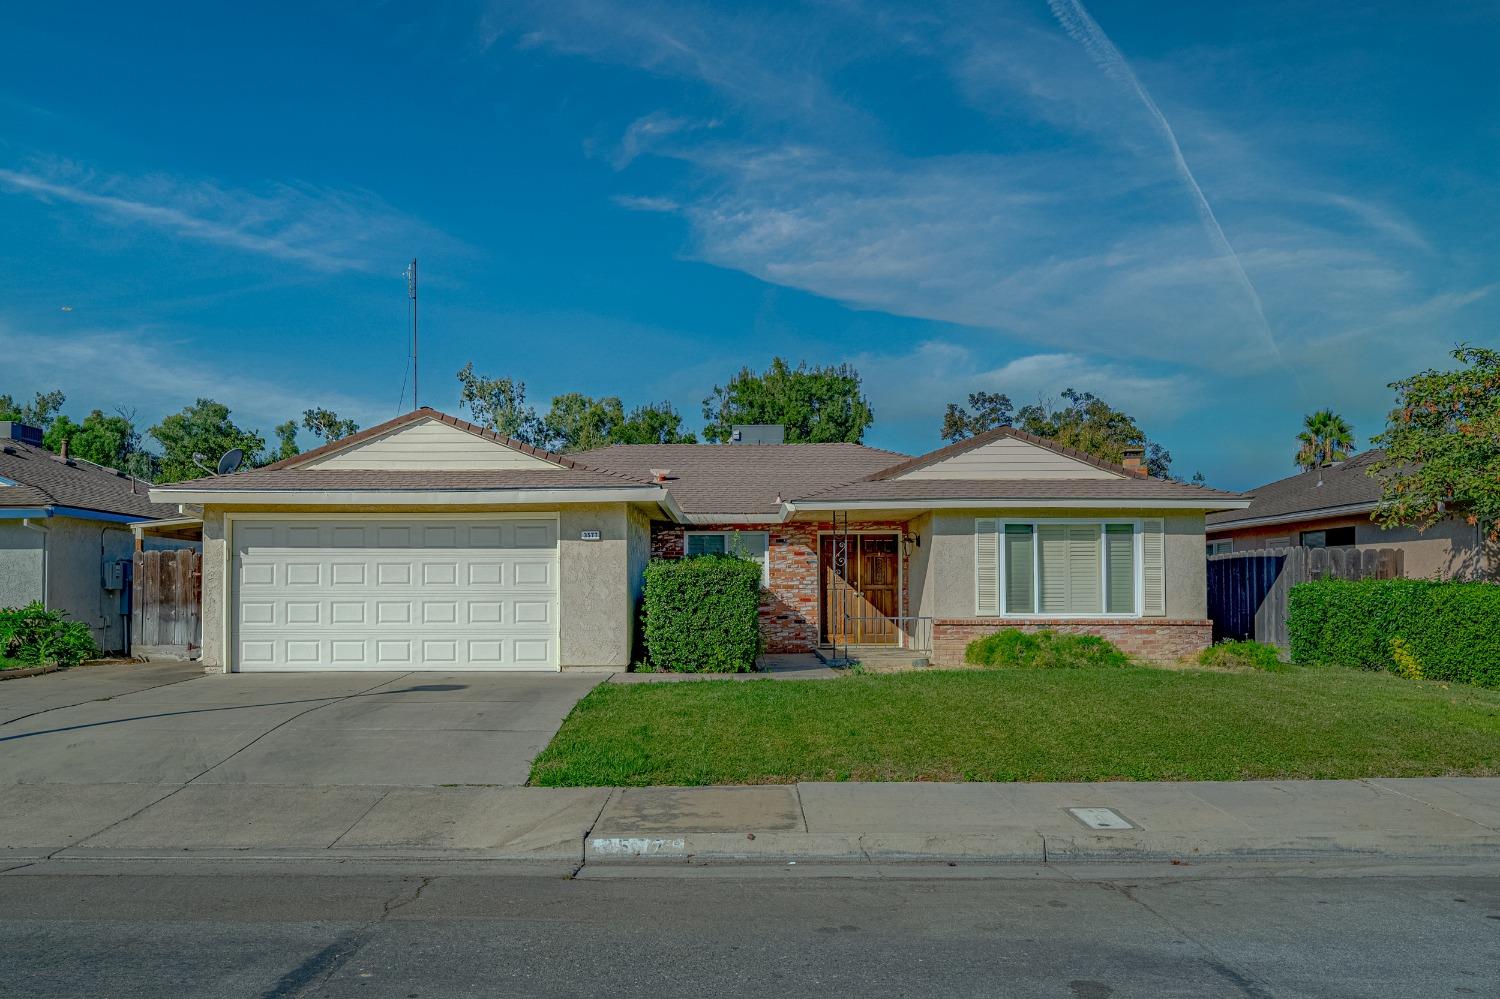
x,y
863,595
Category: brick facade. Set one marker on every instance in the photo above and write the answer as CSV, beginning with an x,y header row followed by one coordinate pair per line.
x,y
1160,640
790,608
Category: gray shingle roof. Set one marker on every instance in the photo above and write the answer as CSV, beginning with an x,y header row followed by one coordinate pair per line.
x,y
743,478
378,479
1009,490
1346,483
44,479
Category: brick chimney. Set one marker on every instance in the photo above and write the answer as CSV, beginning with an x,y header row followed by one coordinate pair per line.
x,y
1135,460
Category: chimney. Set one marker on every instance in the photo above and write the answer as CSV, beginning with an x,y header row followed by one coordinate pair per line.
x,y
1135,460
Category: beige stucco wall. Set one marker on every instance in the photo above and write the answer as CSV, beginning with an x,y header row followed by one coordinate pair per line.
x,y
21,555
1450,549
919,590
595,582
948,589
75,553
637,557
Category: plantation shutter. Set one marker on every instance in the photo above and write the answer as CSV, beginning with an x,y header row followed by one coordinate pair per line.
x,y
1020,570
1153,568
1085,587
1052,554
986,567
1119,561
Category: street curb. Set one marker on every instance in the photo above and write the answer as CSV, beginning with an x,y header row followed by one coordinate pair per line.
x,y
17,674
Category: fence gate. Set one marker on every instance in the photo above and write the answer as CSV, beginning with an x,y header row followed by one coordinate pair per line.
x,y
166,618
1247,591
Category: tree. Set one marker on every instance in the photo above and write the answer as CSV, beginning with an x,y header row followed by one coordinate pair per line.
x,y
286,441
40,412
813,404
577,422
1089,424
204,428
987,410
325,425
1442,447
1326,438
104,440
499,404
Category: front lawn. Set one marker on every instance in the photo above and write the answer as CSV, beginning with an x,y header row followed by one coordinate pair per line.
x,y
1132,723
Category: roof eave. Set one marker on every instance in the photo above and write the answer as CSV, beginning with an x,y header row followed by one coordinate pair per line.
x,y
1321,513
624,492
1093,503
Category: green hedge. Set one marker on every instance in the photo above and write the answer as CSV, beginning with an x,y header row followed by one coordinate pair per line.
x,y
1043,649
702,614
34,636
1451,630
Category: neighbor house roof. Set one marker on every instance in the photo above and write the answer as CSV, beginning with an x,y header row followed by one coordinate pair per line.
x,y
1343,487
743,478
44,479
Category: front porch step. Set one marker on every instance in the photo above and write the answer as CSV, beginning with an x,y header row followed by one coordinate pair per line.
x,y
878,658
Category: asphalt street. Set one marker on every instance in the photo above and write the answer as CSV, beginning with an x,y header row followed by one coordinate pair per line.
x,y
241,932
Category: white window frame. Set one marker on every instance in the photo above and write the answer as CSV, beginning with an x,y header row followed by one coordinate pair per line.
x,y
765,563
1136,534
1221,547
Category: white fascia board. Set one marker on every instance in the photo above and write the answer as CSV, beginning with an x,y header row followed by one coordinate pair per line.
x,y
1322,513
407,497
1025,504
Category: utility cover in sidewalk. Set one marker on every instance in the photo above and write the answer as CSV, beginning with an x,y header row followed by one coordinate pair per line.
x,y
1100,818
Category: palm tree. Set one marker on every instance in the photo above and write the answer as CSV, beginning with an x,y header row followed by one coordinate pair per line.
x,y
1325,439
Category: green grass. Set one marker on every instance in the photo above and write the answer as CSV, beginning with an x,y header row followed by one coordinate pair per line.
x,y
1131,723
8,663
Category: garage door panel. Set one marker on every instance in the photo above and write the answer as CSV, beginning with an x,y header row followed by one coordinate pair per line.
x,y
348,595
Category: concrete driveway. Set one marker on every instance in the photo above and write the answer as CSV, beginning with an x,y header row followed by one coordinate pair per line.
x,y
163,723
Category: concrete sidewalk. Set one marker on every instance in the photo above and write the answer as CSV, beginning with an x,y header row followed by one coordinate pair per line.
x,y
836,824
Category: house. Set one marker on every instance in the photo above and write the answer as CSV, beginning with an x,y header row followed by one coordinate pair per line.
x,y
430,543
65,537
1330,507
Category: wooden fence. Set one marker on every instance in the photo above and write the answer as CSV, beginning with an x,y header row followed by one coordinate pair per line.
x,y
1247,591
166,603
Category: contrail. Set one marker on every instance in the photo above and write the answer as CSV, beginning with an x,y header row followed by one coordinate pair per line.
x,y
1083,29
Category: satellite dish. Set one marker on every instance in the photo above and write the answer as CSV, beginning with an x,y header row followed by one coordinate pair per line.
x,y
231,460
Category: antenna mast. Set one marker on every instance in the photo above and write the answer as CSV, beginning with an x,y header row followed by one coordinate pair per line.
x,y
411,292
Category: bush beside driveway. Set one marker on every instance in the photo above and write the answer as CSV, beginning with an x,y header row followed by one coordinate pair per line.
x,y
1130,723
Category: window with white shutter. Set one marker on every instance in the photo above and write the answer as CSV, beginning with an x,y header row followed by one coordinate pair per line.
x,y
1061,568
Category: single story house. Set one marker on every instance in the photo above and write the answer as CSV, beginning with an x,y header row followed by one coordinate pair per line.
x,y
430,543
65,537
1330,507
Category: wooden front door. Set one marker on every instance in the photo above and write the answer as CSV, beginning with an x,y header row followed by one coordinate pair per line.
x,y
862,596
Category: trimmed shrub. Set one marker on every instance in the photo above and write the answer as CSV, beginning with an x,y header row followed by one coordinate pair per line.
x,y
702,614
1234,654
34,636
1441,631
1043,649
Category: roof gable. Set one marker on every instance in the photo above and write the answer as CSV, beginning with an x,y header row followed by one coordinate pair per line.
x,y
427,440
1005,454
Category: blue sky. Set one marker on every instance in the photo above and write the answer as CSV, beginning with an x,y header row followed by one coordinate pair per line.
x,y
1218,217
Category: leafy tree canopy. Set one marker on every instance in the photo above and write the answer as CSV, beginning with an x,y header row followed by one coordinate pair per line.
x,y
814,404
325,425
203,428
577,422
104,440
986,411
1093,426
499,404
286,441
1325,438
39,412
1442,446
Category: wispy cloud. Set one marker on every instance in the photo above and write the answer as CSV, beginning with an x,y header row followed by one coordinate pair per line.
x,y
325,230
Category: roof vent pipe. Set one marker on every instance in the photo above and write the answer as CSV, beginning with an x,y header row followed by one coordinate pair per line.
x,y
660,474
64,452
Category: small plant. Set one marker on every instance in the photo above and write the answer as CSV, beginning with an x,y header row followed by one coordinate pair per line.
x,y
1234,654
34,636
1405,659
1044,649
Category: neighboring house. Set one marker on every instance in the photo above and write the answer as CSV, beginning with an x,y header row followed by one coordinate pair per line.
x,y
65,533
1330,507
430,543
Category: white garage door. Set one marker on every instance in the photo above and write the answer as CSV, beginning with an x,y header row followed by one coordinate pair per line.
x,y
374,594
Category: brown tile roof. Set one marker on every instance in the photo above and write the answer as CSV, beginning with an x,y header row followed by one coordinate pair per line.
x,y
1011,490
743,478
368,479
1345,483
44,479
979,440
